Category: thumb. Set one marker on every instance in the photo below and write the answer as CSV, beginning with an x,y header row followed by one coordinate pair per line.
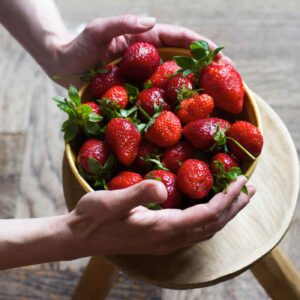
x,y
147,191
109,28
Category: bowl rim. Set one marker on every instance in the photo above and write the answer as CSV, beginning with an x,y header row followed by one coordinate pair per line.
x,y
70,155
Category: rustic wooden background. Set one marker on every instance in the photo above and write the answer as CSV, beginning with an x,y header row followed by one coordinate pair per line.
x,y
262,37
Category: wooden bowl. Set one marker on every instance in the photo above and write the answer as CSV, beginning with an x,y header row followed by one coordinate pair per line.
x,y
250,113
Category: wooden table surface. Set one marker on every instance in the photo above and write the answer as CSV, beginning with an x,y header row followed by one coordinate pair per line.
x,y
262,37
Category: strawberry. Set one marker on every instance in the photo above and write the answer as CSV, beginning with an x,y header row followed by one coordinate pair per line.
x,y
161,76
169,180
117,94
124,139
194,179
225,85
124,180
196,107
149,97
221,81
174,156
104,81
248,136
146,150
139,61
201,133
95,149
85,116
94,106
177,83
165,131
225,159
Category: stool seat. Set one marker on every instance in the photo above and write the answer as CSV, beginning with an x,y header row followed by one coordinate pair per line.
x,y
252,234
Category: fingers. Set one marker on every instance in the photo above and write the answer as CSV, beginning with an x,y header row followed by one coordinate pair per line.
x,y
201,214
120,202
178,36
212,228
104,30
207,231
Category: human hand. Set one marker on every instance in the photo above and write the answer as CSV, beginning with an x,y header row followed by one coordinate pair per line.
x,y
114,222
105,39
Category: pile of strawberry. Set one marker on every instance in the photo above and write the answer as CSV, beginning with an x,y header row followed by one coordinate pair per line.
x,y
175,121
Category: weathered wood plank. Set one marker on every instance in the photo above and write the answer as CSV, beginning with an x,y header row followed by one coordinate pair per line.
x,y
261,36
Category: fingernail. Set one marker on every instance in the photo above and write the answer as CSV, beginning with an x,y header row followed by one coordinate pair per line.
x,y
146,21
251,190
243,178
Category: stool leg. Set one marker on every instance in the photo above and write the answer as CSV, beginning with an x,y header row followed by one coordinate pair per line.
x,y
96,281
278,276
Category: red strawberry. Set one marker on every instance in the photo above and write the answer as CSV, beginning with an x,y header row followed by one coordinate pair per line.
x,y
225,85
169,180
139,61
161,76
145,150
117,94
173,157
102,82
124,139
200,133
95,107
248,136
148,97
196,107
225,159
123,180
92,148
165,131
176,83
194,179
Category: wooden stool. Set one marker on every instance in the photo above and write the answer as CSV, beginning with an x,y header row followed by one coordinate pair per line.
x,y
246,242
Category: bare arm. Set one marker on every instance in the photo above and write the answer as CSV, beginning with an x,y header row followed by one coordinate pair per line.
x,y
113,222
37,25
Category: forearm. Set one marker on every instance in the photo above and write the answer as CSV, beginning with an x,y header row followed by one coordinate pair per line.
x,y
37,25
33,241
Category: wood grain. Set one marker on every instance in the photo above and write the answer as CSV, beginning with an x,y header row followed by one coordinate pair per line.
x,y
278,276
263,39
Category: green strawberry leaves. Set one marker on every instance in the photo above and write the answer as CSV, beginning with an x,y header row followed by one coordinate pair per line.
x,y
202,57
158,110
80,115
222,179
90,74
153,206
220,136
74,96
113,110
221,141
70,130
99,174
153,160
147,84
132,92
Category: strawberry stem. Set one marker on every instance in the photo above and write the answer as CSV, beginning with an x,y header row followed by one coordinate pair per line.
x,y
143,112
241,147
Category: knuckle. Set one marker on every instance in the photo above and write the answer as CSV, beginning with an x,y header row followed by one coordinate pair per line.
x,y
234,194
125,19
91,28
214,215
219,225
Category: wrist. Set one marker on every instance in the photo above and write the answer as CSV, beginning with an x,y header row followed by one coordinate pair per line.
x,y
53,47
76,236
